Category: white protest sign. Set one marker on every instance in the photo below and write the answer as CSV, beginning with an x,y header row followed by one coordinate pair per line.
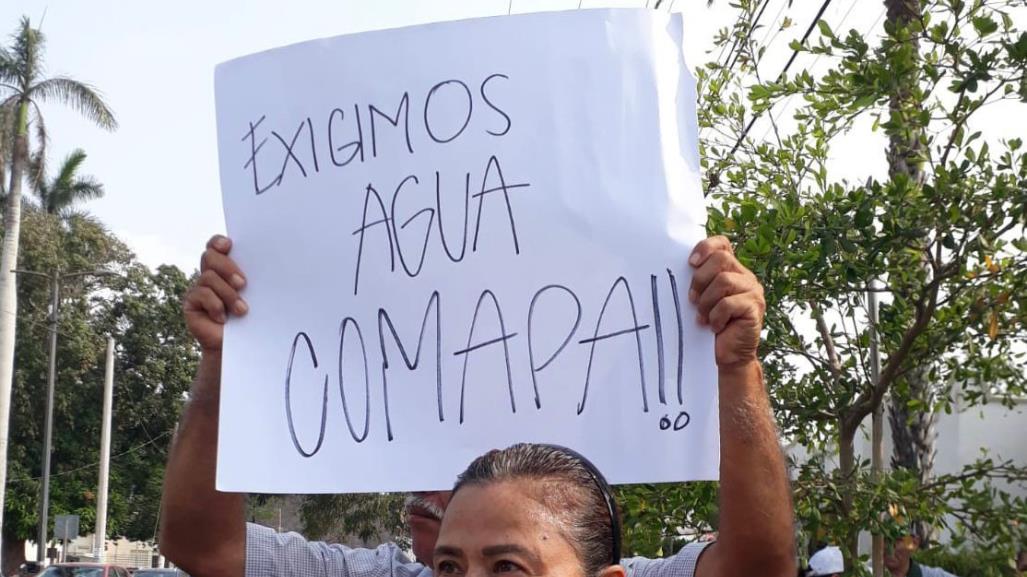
x,y
458,237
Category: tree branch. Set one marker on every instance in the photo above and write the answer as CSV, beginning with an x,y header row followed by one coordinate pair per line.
x,y
834,363
868,400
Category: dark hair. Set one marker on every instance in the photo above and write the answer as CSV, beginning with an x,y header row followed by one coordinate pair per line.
x,y
570,487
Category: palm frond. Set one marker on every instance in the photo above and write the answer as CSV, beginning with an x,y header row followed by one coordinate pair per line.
x,y
26,51
77,218
80,96
87,188
69,167
8,71
8,126
58,202
37,175
37,171
67,188
10,104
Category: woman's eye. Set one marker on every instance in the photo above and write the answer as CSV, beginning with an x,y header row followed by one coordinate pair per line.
x,y
447,568
506,567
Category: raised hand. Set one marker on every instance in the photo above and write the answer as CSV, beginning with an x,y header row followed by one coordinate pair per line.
x,y
215,295
729,299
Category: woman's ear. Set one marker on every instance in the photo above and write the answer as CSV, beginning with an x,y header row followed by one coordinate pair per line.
x,y
613,571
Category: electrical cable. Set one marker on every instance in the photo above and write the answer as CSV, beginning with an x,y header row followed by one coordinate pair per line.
x,y
784,71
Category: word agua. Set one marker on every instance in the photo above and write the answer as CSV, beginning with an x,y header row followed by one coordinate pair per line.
x,y
376,215
488,304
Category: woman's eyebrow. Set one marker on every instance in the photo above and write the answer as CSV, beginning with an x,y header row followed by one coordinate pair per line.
x,y
449,550
494,550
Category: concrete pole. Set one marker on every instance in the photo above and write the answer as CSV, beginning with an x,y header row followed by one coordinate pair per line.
x,y
100,535
44,501
877,431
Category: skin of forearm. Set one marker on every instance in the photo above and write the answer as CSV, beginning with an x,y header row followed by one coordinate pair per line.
x,y
202,530
756,519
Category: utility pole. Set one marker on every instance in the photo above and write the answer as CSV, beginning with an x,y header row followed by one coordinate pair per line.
x,y
100,535
51,375
877,430
55,279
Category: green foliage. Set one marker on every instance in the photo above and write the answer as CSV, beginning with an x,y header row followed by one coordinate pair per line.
x,y
154,363
47,247
969,563
660,519
942,235
371,517
967,503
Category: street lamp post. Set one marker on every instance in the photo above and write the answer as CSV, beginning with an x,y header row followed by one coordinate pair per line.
x,y
55,304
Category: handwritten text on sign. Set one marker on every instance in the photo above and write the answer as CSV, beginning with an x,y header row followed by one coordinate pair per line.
x,y
456,240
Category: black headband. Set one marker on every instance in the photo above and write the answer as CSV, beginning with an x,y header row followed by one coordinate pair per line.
x,y
605,491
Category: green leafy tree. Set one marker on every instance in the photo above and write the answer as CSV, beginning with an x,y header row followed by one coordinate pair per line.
x,y
23,86
940,241
47,247
154,364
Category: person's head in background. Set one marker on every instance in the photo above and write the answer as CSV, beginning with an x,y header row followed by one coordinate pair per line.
x,y
531,510
827,562
898,554
424,512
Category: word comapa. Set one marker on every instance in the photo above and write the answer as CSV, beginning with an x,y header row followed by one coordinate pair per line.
x,y
487,304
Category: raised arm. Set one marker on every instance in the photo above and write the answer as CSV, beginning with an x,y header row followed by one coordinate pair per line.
x,y
204,531
756,534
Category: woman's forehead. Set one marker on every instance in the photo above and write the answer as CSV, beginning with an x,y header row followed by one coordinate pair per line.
x,y
506,519
522,492
509,505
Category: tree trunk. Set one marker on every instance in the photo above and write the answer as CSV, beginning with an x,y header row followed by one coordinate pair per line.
x,y
906,147
9,293
912,434
847,469
13,554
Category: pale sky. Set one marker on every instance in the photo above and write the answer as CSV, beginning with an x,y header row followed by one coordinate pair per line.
x,y
154,62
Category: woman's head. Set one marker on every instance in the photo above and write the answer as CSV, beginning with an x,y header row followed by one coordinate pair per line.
x,y
537,509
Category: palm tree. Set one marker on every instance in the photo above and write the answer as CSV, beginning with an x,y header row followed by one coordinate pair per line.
x,y
58,195
23,87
